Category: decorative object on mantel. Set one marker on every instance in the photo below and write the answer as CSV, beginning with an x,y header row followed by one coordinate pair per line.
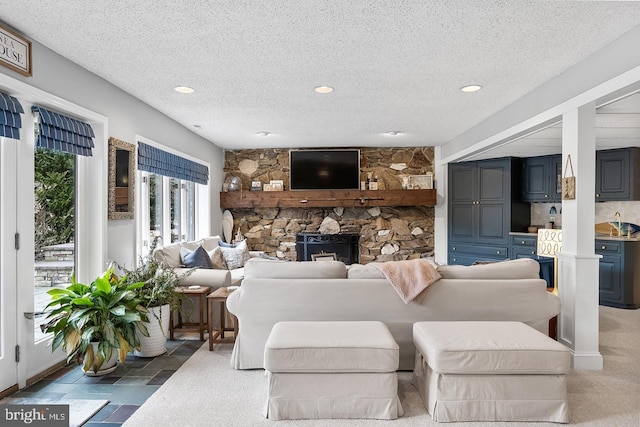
x,y
276,185
256,185
568,182
235,184
420,182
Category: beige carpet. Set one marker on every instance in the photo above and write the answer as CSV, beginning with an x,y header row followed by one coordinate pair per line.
x,y
206,391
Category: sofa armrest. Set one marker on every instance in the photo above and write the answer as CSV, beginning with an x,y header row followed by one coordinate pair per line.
x,y
205,277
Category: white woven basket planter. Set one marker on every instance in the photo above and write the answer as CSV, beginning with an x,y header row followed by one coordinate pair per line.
x,y
156,343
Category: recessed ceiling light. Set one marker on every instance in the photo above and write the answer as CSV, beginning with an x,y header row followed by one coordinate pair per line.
x,y
393,133
264,133
197,126
323,89
471,88
184,89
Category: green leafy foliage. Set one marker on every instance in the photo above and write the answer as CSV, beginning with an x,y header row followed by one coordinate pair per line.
x,y
54,197
108,311
159,281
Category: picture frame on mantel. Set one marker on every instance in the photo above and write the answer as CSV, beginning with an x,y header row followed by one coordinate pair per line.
x,y
421,182
256,185
324,256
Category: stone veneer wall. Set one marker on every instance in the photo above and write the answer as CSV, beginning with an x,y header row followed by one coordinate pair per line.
x,y
386,233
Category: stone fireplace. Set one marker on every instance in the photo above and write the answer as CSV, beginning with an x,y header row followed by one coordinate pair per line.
x,y
385,233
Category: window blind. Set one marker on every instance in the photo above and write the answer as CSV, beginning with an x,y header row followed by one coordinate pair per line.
x,y
154,160
10,120
59,132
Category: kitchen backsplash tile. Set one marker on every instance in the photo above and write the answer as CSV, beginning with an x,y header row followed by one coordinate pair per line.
x,y
605,212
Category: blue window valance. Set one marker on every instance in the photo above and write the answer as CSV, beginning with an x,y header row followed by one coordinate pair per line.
x,y
154,160
10,121
62,133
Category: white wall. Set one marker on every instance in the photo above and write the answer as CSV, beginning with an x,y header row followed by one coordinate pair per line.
x,y
127,117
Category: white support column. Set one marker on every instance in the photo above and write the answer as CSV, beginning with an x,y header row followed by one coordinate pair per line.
x,y
577,262
440,236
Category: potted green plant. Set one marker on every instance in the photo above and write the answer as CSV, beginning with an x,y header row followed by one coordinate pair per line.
x,y
96,324
158,295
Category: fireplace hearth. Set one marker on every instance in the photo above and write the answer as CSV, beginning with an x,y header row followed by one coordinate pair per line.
x,y
345,246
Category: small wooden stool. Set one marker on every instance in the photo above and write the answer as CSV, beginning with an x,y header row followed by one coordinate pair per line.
x,y
200,292
220,296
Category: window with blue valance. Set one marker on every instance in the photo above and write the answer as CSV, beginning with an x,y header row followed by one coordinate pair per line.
x,y
154,160
10,121
62,133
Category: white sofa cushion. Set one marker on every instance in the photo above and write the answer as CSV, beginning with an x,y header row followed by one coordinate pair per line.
x,y
170,254
523,268
266,269
360,271
489,348
331,347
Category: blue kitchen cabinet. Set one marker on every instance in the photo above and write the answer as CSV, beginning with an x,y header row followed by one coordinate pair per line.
x,y
619,283
542,179
484,204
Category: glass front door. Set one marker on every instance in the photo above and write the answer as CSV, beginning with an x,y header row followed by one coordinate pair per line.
x,y
8,281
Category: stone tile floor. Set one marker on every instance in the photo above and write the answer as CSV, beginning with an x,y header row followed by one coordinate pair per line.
x,y
128,387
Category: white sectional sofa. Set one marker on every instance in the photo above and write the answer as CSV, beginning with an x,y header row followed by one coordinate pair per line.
x,y
214,278
275,291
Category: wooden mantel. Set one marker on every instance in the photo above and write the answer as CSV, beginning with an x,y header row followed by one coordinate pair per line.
x,y
326,198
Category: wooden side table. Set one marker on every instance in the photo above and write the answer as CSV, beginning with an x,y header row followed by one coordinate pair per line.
x,y
201,293
220,296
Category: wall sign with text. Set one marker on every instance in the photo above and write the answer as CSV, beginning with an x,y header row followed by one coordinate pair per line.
x,y
15,52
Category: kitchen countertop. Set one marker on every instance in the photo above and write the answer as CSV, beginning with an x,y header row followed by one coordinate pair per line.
x,y
597,236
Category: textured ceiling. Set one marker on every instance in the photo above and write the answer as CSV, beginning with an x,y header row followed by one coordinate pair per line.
x,y
395,65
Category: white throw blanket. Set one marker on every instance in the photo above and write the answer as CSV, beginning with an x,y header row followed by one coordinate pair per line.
x,y
409,278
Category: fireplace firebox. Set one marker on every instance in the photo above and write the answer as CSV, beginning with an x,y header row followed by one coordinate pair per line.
x,y
345,246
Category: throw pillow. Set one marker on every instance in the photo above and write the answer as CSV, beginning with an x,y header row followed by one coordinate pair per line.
x,y
235,256
197,258
217,260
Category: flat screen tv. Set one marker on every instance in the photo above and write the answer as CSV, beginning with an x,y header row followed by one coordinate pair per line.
x,y
324,169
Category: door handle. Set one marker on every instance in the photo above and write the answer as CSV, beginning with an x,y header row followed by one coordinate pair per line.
x,y
32,315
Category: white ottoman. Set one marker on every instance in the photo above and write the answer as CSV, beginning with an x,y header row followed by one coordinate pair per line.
x,y
332,370
490,371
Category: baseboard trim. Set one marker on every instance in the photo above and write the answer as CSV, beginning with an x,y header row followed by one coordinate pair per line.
x,y
42,375
587,361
